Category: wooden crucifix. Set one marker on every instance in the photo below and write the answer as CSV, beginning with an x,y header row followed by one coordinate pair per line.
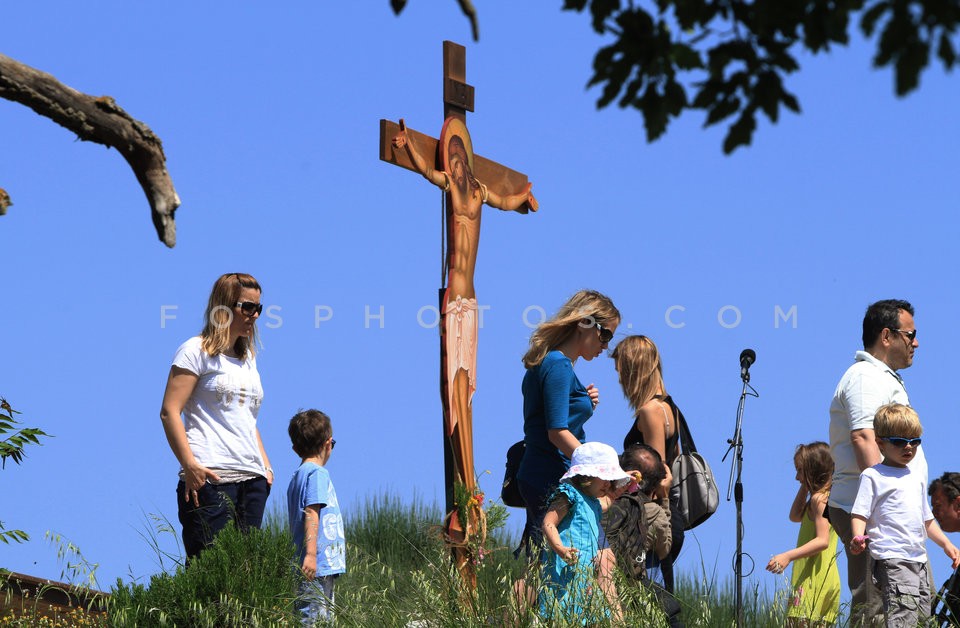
x,y
469,181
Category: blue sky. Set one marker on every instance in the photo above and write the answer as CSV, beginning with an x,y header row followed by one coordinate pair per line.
x,y
269,118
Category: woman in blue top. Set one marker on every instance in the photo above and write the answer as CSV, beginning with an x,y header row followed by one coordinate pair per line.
x,y
555,403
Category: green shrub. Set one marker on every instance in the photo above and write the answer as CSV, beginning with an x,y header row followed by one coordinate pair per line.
x,y
243,579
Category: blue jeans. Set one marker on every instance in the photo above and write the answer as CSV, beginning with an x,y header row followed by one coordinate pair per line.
x,y
535,498
242,502
315,599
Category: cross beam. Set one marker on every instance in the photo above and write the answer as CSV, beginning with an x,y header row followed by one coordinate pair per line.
x,y
497,177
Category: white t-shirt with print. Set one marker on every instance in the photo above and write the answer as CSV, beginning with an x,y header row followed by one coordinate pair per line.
x,y
220,417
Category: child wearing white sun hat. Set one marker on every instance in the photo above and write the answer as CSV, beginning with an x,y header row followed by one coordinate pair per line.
x,y
571,529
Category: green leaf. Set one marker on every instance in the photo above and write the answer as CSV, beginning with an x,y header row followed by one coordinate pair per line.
x,y
914,58
895,36
766,94
631,91
741,132
16,536
675,98
685,57
654,115
789,101
870,17
945,51
708,94
778,56
603,9
723,109
574,5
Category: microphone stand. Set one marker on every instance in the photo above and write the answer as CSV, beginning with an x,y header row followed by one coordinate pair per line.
x,y
736,467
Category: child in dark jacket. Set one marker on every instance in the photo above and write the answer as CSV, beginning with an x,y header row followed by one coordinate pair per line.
x,y
638,523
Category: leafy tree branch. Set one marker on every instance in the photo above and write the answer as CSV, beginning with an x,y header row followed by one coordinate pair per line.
x,y
12,447
729,58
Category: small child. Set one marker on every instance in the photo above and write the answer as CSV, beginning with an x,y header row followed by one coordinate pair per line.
x,y
315,520
892,509
816,580
638,523
571,529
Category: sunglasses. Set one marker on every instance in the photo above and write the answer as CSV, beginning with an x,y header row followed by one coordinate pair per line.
x,y
898,441
333,443
249,308
605,334
910,335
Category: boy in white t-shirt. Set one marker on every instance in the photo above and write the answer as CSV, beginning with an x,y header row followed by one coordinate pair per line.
x,y
892,513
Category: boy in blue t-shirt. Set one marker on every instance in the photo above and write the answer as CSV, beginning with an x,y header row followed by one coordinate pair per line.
x,y
315,520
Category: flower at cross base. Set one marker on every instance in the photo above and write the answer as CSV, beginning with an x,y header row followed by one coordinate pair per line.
x,y
476,501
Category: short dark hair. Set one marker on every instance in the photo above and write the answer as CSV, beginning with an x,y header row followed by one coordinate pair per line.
x,y
882,315
646,460
309,430
949,483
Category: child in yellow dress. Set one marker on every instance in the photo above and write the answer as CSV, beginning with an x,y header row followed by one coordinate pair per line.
x,y
815,600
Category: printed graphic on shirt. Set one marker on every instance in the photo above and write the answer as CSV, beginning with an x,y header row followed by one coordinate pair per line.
x,y
335,553
231,388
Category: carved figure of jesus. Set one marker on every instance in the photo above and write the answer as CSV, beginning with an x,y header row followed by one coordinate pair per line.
x,y
467,196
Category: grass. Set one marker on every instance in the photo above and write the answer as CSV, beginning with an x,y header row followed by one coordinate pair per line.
x,y
399,574
244,579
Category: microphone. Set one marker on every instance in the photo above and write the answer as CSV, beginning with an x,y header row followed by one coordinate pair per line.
x,y
747,357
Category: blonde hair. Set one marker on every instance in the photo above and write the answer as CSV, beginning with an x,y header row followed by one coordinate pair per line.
x,y
585,304
641,373
215,337
815,465
895,419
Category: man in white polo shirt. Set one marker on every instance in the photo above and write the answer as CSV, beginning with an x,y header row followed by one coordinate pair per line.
x,y
889,340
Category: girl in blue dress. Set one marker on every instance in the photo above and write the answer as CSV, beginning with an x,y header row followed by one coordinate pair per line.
x,y
571,529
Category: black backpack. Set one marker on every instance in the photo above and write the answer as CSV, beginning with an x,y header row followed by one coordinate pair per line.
x,y
626,528
510,491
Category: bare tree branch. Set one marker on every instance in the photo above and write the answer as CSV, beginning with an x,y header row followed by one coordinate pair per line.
x,y
100,120
466,6
471,12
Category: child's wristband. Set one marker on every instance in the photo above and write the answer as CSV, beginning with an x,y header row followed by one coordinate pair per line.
x,y
861,538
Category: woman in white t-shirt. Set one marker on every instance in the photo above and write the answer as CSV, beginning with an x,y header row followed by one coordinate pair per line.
x,y
214,385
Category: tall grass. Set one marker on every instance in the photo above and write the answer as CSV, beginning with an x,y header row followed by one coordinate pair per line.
x,y
244,579
399,574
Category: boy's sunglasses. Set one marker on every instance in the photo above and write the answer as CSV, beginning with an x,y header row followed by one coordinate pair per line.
x,y
605,334
898,441
250,308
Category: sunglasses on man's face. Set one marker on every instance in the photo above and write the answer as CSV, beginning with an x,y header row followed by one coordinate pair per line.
x,y
898,441
249,308
605,334
909,335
